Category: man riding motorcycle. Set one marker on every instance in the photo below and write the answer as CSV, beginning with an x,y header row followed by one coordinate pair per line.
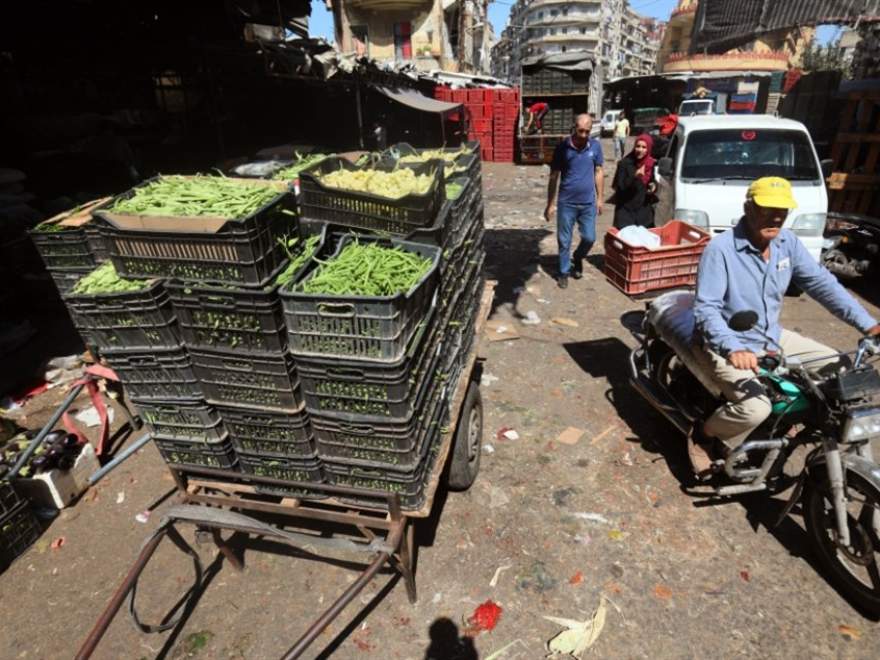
x,y
750,267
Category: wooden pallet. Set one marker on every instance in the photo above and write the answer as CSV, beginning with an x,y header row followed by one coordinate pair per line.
x,y
856,155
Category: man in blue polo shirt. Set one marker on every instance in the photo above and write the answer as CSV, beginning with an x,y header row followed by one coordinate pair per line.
x,y
577,173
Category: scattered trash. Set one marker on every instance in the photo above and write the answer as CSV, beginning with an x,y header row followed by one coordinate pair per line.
x,y
543,301
484,618
57,543
561,320
579,636
437,598
506,433
90,416
143,517
531,318
498,571
592,517
120,497
498,331
488,379
662,592
603,434
570,436
576,579
538,579
627,459
853,634
488,449
744,574
617,535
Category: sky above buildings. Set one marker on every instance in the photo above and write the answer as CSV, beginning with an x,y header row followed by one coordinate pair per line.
x,y
321,22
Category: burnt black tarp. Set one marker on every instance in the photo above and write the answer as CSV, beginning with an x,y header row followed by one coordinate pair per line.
x,y
721,24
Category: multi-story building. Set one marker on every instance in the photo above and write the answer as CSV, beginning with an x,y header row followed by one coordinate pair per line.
x,y
430,34
773,51
622,42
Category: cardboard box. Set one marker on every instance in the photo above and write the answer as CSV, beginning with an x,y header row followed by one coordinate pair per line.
x,y
58,488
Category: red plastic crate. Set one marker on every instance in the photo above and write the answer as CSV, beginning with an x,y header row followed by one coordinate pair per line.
x,y
480,110
442,93
634,269
458,95
506,111
475,95
505,95
486,153
482,138
481,125
502,156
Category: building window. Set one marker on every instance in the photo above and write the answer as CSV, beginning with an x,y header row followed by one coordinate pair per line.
x,y
565,30
540,15
583,30
360,40
565,11
554,13
563,49
402,41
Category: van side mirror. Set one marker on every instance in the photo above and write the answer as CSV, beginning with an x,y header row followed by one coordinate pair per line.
x,y
743,321
664,166
827,166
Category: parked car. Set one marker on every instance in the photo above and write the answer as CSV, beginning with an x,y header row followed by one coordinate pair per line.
x,y
711,160
609,120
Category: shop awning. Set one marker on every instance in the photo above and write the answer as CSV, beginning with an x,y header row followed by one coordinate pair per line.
x,y
417,101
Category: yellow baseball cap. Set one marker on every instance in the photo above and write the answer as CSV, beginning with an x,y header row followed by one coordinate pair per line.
x,y
773,192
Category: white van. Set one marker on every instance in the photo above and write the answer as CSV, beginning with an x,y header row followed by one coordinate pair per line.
x,y
609,120
711,160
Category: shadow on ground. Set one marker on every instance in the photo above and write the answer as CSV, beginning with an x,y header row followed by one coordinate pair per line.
x,y
513,256
447,644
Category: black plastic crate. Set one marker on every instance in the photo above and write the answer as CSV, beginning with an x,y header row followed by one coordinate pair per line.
x,y
268,433
68,248
391,455
219,455
19,529
367,211
359,391
465,164
244,379
97,243
157,375
308,470
9,498
66,278
131,320
240,251
182,421
362,327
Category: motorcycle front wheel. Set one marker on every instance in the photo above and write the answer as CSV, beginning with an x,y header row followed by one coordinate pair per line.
x,y
853,568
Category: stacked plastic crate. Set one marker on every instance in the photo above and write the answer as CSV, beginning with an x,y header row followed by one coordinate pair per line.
x,y
504,125
70,245
19,527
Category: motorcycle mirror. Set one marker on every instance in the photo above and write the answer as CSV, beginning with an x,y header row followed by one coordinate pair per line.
x,y
742,321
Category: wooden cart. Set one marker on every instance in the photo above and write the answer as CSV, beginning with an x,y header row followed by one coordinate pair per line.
x,y
383,535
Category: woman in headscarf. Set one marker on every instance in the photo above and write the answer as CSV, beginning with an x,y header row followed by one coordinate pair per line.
x,y
634,186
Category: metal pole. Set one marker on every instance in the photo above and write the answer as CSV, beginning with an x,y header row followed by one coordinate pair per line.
x,y
121,456
360,117
336,608
115,603
38,440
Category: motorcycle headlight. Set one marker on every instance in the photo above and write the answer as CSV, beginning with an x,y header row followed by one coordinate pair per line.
x,y
695,218
861,425
809,224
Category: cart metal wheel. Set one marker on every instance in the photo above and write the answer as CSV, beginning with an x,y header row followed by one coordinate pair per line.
x,y
468,441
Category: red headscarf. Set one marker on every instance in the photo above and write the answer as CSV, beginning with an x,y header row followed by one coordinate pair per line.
x,y
648,161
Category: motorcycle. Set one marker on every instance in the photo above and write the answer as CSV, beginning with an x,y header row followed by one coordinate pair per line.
x,y
835,416
852,245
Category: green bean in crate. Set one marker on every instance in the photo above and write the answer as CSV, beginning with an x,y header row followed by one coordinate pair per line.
x,y
156,375
222,230
248,379
114,313
371,327
261,432
182,420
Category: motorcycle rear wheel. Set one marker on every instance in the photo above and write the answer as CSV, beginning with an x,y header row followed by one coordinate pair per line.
x,y
854,569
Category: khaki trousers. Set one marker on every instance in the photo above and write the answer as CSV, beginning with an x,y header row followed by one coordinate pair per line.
x,y
747,404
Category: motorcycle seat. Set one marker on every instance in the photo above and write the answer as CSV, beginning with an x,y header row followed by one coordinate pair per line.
x,y
672,316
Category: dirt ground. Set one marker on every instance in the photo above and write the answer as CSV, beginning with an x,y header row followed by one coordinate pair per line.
x,y
547,529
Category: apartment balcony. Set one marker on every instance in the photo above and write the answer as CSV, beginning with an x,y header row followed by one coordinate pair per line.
x,y
745,61
571,3
378,5
589,37
594,18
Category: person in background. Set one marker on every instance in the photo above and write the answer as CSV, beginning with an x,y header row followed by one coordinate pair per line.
x,y
536,113
576,171
634,186
621,132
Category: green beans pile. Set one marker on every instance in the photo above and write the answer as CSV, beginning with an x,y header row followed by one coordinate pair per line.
x,y
104,279
297,260
299,164
197,196
367,269
53,227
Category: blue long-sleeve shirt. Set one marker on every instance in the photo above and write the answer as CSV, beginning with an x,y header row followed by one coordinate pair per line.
x,y
734,277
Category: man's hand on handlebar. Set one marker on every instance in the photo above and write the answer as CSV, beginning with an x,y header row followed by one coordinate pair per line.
x,y
745,360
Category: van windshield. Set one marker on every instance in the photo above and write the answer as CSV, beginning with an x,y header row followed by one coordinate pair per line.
x,y
749,154
696,108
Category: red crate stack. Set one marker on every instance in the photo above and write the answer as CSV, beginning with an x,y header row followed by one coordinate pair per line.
x,y
505,114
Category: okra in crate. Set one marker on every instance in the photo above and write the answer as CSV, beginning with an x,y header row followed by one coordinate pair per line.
x,y
115,313
182,421
304,471
208,229
156,375
217,317
269,433
384,197
248,379
188,453
366,301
